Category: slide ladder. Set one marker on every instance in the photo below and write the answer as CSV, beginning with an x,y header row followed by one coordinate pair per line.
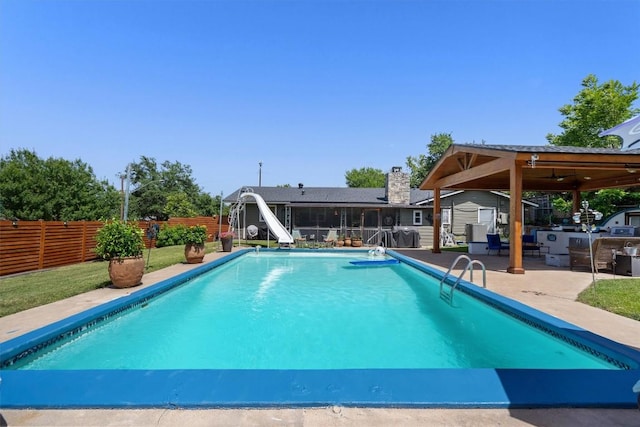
x,y
447,294
276,227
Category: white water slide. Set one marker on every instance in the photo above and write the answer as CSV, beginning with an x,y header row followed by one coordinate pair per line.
x,y
274,225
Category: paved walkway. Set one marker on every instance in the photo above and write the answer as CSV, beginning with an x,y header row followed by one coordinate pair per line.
x,y
550,289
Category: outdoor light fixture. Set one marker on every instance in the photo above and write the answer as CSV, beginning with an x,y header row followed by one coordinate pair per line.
x,y
534,159
66,224
14,222
588,228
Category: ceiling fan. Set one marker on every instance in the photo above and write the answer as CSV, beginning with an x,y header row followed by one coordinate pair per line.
x,y
558,178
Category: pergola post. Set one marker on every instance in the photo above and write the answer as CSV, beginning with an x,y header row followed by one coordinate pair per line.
x,y
515,214
437,220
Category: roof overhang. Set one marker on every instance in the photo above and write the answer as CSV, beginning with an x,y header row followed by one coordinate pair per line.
x,y
347,205
544,168
429,202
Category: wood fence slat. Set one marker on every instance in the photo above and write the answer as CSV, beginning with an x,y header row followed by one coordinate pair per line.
x,y
33,245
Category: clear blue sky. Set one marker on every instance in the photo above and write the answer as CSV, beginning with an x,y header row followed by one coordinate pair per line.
x,y
310,88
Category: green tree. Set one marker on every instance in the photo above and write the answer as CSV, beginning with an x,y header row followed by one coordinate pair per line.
x,y
206,205
53,189
365,178
179,205
595,108
152,183
611,200
422,164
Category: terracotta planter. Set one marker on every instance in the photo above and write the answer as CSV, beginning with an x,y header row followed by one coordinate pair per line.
x,y
126,272
194,254
227,245
340,243
356,243
347,241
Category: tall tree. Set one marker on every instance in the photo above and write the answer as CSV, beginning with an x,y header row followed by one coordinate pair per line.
x,y
53,189
595,108
422,164
609,201
152,183
365,178
179,205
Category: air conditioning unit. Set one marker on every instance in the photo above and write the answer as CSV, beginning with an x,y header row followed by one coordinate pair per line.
x,y
476,232
503,218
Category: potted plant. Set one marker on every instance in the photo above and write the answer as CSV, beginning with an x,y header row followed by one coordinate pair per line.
x,y
226,239
356,241
340,241
194,238
122,244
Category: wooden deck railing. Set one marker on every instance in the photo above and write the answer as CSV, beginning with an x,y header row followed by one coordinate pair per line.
x,y
36,245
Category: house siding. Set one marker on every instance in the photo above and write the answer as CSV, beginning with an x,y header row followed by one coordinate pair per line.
x,y
464,208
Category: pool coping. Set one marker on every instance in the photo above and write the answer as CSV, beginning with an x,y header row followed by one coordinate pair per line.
x,y
410,388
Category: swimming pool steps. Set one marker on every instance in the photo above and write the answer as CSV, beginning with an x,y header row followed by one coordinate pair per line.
x,y
447,295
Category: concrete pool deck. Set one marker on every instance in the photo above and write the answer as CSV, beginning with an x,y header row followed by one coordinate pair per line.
x,y
549,289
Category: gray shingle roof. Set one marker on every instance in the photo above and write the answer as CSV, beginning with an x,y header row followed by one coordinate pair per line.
x,y
325,195
552,149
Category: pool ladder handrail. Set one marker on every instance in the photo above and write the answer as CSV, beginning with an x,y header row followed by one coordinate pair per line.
x,y
448,296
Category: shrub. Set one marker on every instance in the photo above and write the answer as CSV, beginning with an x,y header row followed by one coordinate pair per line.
x,y
195,235
181,235
170,236
118,239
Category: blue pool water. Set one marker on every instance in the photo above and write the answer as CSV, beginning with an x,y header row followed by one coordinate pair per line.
x,y
307,328
304,311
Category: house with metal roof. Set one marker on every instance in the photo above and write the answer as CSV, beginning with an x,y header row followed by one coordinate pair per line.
x,y
394,216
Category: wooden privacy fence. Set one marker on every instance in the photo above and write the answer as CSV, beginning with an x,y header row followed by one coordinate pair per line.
x,y
34,245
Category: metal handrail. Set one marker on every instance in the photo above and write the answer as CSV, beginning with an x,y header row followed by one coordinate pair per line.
x,y
448,296
374,235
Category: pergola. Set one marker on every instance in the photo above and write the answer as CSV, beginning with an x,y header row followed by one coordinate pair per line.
x,y
528,168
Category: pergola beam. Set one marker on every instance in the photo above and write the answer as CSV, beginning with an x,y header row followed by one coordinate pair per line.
x,y
477,172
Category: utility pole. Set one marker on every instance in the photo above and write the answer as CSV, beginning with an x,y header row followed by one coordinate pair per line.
x,y
126,194
220,217
260,174
122,176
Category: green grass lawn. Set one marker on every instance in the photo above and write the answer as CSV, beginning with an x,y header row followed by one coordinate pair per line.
x,y
24,291
458,248
620,296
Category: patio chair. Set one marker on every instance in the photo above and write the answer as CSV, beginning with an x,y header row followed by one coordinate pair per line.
x,y
446,237
495,244
529,243
297,237
330,238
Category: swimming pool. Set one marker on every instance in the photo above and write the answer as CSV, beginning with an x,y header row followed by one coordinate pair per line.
x,y
393,380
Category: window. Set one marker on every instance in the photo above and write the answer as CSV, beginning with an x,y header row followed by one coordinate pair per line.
x,y
417,217
261,218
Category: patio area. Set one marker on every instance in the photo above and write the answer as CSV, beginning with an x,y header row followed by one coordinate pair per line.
x,y
547,288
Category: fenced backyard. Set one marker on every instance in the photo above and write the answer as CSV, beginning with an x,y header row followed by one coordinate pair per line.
x,y
36,245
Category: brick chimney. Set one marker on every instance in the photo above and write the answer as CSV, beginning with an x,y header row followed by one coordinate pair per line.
x,y
397,187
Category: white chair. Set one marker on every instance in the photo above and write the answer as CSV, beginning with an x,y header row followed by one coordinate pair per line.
x,y
297,237
446,238
330,239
